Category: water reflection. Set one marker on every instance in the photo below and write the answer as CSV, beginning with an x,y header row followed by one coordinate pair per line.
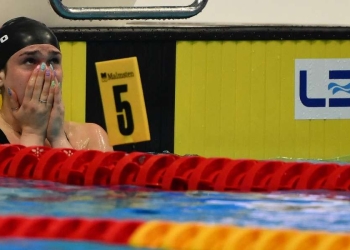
x,y
317,210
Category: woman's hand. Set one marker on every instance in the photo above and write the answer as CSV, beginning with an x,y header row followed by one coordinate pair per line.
x,y
34,112
55,128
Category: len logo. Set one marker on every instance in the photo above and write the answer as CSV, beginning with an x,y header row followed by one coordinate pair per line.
x,y
322,88
332,86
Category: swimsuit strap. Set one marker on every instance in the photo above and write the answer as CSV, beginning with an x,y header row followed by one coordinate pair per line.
x,y
3,138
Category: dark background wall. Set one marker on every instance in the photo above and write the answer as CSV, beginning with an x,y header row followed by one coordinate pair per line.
x,y
157,69
155,48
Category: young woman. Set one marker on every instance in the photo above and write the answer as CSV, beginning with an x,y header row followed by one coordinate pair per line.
x,y
32,112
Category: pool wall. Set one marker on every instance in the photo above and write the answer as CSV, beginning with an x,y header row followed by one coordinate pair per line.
x,y
213,91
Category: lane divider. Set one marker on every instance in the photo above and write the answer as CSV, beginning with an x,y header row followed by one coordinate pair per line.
x,y
100,230
168,235
197,236
169,171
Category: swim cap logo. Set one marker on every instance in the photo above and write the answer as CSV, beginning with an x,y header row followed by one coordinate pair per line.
x,y
4,38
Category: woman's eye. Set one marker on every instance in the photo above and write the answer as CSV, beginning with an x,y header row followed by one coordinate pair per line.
x,y
55,61
29,61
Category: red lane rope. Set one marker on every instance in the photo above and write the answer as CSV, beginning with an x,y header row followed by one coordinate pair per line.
x,y
99,230
168,171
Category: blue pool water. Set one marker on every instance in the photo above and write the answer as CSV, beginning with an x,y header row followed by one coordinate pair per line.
x,y
317,210
23,244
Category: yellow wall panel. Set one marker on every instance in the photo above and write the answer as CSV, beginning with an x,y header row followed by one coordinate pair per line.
x,y
78,86
287,131
66,49
74,80
213,96
272,99
198,96
257,97
183,96
236,99
227,103
242,97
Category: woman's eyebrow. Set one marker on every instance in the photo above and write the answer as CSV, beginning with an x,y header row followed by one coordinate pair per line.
x,y
30,53
54,52
36,52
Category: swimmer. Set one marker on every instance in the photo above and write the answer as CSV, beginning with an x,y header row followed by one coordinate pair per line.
x,y
31,77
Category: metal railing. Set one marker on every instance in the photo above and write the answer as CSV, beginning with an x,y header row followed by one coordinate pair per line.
x,y
152,12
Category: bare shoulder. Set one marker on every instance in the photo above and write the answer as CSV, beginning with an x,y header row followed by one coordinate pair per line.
x,y
78,127
87,136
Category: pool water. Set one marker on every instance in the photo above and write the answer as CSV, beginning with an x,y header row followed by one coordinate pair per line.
x,y
26,244
303,210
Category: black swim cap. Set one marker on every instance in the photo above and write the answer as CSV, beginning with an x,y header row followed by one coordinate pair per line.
x,y
21,32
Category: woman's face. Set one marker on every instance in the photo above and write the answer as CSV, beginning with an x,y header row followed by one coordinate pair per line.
x,y
21,65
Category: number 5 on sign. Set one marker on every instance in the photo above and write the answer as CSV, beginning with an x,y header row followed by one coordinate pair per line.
x,y
122,99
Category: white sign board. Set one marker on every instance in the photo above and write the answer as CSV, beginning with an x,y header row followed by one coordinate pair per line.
x,y
322,89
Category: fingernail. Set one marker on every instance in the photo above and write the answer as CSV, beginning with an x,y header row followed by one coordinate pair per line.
x,y
47,72
53,84
59,85
43,66
51,66
9,91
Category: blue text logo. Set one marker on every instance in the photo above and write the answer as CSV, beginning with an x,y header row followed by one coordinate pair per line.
x,y
332,86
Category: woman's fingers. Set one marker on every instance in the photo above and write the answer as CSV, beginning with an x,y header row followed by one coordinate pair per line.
x,y
28,94
52,90
58,93
55,129
49,81
57,97
13,99
41,86
44,77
